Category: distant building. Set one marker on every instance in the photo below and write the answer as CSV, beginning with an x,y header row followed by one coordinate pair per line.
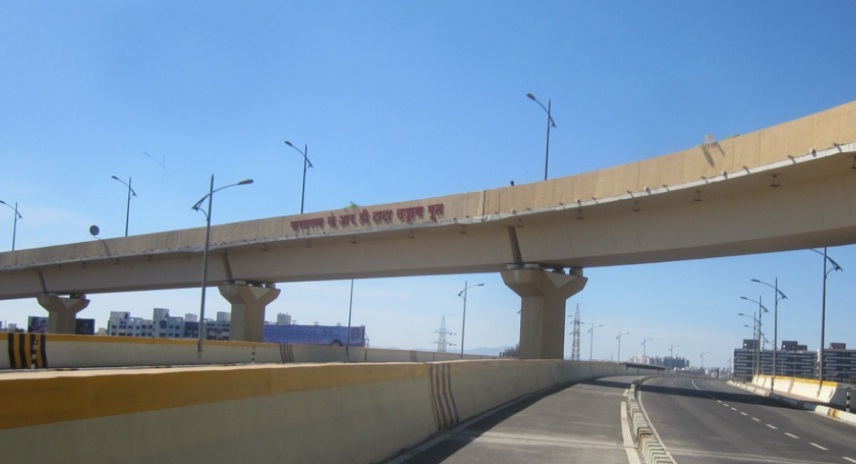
x,y
794,360
668,362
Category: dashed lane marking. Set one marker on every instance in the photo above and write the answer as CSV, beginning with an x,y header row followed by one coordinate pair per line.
x,y
848,459
818,446
743,413
792,436
756,419
772,426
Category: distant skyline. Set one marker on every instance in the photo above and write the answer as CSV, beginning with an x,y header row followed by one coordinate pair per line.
x,y
407,100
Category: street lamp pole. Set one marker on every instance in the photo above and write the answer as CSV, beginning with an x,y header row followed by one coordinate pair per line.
x,y
759,339
197,207
550,123
591,342
464,323
131,192
778,295
619,343
645,341
835,267
306,165
14,222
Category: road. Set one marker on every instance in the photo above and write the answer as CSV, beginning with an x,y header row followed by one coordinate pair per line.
x,y
706,422
578,424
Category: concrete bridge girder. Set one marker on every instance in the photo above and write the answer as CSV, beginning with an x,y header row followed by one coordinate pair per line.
x,y
543,295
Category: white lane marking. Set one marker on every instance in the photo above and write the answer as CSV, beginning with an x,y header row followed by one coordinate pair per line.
x,y
848,459
743,413
719,401
725,404
756,419
772,426
818,446
792,436
733,409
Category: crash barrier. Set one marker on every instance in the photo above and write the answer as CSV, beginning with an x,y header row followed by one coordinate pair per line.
x,y
830,393
834,411
27,351
648,444
302,413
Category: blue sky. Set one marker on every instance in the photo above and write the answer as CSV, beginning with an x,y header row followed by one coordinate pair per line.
x,y
407,100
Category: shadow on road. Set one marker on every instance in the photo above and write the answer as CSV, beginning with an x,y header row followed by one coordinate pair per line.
x,y
726,397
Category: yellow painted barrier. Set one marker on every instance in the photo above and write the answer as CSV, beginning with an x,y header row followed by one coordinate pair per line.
x,y
314,413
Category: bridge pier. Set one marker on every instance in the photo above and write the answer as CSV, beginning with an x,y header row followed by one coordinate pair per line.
x,y
248,308
542,309
63,311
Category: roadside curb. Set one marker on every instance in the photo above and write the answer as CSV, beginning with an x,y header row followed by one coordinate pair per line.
x,y
644,435
821,410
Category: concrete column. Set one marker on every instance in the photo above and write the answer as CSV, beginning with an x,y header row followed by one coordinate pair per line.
x,y
63,311
248,309
542,309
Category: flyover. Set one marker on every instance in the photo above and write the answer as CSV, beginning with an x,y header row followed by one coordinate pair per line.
x,y
790,186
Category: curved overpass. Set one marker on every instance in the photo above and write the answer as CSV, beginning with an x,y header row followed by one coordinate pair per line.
x,y
787,187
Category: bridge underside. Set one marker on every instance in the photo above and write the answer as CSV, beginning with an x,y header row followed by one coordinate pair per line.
x,y
702,203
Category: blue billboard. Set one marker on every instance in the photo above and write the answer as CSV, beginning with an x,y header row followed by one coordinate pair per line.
x,y
315,335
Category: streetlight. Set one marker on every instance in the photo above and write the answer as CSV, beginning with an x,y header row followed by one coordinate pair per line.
x,y
835,267
591,343
550,123
464,324
778,295
619,343
131,192
702,359
198,207
645,345
15,221
306,164
759,340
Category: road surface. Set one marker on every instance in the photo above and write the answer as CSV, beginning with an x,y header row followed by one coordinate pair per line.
x,y
578,424
707,421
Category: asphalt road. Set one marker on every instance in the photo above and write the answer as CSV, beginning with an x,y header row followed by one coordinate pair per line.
x,y
706,422
578,424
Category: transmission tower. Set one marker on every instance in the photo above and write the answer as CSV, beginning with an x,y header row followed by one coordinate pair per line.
x,y
441,342
575,346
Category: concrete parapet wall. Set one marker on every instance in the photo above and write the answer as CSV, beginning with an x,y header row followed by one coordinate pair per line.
x,y
85,351
313,413
833,393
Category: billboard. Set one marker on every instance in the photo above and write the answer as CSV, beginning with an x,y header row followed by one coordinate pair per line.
x,y
315,335
37,324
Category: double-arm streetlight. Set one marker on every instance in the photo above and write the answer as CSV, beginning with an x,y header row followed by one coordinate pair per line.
x,y
306,165
826,271
778,295
550,123
198,207
131,193
591,342
463,293
15,221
